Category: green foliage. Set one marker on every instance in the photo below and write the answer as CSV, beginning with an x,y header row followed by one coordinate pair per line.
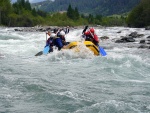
x,y
20,14
34,13
76,13
41,13
113,21
5,10
20,5
27,5
73,13
90,19
69,11
61,19
140,15
99,7
13,19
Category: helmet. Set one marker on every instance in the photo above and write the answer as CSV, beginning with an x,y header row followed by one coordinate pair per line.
x,y
62,33
92,30
53,35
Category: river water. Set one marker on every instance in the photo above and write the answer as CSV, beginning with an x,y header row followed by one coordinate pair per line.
x,y
68,82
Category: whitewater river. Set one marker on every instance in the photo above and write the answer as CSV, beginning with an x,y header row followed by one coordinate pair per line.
x,y
68,82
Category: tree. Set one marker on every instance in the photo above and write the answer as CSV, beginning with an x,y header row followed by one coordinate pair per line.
x,y
41,13
90,18
140,15
73,13
70,11
28,5
76,13
5,10
34,13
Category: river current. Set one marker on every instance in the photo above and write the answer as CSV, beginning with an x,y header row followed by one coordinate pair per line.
x,y
68,82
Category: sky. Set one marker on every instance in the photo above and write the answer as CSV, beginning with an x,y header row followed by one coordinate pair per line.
x,y
31,1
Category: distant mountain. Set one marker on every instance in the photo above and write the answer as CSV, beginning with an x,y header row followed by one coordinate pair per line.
x,y
101,7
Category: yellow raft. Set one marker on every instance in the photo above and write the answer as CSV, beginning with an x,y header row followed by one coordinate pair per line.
x,y
88,44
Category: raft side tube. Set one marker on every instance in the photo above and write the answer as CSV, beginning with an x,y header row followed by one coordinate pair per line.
x,y
88,44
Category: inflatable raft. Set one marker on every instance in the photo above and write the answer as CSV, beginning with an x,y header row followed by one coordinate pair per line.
x,y
88,44
76,47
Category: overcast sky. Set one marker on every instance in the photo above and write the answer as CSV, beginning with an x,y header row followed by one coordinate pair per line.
x,y
31,1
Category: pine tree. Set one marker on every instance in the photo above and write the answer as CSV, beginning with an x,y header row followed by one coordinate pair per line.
x,y
27,5
70,11
76,13
5,10
34,13
73,13
90,18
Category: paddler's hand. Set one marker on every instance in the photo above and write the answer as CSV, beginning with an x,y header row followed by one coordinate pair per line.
x,y
48,33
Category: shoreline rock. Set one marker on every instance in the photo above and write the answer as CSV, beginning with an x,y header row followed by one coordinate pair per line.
x,y
48,28
133,38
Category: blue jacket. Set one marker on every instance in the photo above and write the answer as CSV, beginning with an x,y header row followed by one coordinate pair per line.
x,y
58,43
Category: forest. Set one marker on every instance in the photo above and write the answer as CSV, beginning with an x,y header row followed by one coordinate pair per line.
x,y
21,14
140,15
99,7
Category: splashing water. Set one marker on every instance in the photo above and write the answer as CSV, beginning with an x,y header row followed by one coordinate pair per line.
x,y
73,82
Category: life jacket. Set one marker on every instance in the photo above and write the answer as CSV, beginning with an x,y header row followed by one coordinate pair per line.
x,y
58,43
94,37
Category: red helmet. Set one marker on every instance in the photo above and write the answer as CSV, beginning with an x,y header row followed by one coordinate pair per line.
x,y
92,30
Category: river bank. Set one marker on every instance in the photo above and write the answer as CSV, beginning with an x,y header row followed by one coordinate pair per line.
x,y
136,38
133,38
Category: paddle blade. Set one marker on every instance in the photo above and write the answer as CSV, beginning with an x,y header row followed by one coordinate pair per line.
x,y
84,29
102,51
46,50
39,53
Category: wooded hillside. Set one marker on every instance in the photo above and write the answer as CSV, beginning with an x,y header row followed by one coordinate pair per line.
x,y
100,7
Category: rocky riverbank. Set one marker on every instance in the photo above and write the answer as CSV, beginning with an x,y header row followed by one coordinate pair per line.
x,y
42,28
135,37
132,38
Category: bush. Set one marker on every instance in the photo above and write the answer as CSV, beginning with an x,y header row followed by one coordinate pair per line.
x,y
140,15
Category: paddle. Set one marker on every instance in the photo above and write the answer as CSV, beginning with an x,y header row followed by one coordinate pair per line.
x,y
101,50
84,29
39,53
45,50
